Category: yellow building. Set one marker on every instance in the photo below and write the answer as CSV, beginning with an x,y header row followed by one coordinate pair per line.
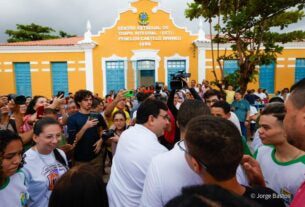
x,y
143,46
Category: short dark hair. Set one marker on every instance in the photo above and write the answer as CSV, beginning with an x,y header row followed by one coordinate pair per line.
x,y
190,109
81,95
297,95
276,99
211,92
216,142
224,105
49,111
209,196
275,109
6,137
149,107
81,186
95,102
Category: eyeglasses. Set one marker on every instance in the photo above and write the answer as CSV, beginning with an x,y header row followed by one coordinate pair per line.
x,y
182,147
166,117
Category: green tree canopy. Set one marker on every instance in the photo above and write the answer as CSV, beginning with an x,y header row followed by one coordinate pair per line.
x,y
250,27
31,32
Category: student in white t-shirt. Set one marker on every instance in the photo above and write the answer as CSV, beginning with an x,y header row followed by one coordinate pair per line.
x,y
282,164
13,191
44,163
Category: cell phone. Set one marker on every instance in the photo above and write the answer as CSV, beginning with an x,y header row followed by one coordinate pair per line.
x,y
40,111
60,94
128,94
93,115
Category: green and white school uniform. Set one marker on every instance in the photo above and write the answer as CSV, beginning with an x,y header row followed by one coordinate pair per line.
x,y
284,178
13,192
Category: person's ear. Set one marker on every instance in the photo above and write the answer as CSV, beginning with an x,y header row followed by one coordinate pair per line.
x,y
151,119
196,165
35,138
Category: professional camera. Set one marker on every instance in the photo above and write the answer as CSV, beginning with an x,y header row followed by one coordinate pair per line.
x,y
107,134
177,82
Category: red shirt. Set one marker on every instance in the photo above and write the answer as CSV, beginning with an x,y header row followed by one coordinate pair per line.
x,y
170,135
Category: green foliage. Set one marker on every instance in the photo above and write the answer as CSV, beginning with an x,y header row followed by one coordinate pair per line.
x,y
249,25
33,32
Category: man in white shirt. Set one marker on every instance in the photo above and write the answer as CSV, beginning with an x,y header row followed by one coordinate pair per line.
x,y
169,172
135,150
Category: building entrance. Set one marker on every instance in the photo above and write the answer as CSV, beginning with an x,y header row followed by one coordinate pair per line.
x,y
146,72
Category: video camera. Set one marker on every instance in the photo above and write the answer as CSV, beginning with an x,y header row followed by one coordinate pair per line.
x,y
177,83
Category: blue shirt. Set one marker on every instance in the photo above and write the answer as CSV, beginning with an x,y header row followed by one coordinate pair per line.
x,y
84,150
241,109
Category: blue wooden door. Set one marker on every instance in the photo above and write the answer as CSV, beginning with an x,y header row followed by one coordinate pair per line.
x,y
59,77
23,79
230,66
115,78
299,69
266,77
173,67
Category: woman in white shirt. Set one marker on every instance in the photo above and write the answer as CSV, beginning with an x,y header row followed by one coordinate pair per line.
x,y
13,192
44,162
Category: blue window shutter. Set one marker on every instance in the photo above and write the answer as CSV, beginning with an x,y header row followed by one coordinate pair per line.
x,y
115,77
173,67
299,69
230,66
60,77
266,77
23,79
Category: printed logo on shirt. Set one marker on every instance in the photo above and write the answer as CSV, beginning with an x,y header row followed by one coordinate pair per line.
x,y
286,195
24,199
52,172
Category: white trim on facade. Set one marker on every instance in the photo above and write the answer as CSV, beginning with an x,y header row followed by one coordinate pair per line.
x,y
7,63
280,66
71,62
113,58
45,62
81,62
8,70
176,57
280,59
201,64
45,70
81,69
291,66
145,54
34,70
292,59
34,63
71,69
40,49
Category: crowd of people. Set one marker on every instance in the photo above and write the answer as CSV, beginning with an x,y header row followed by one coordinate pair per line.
x,y
192,146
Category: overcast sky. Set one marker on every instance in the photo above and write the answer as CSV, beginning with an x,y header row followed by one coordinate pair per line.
x,y
71,15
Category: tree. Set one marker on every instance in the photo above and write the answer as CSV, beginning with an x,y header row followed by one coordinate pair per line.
x,y
32,32
249,26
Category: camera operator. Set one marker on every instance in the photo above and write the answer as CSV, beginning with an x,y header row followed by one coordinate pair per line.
x,y
170,102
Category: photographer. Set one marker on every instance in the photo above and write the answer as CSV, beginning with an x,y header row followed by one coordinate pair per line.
x,y
179,81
